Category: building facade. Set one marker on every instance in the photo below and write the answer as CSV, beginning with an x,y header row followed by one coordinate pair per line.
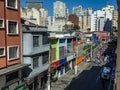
x,y
60,14
78,10
63,47
60,9
35,14
11,67
36,53
115,19
74,19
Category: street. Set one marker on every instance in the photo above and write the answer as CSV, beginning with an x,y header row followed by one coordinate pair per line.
x,y
89,75
90,79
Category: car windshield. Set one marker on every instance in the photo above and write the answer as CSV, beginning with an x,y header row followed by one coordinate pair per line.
x,y
106,69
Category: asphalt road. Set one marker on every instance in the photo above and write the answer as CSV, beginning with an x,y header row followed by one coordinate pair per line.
x,y
87,80
90,79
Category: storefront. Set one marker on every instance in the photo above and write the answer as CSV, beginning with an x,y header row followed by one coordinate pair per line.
x,y
12,78
54,70
62,66
38,82
68,66
70,62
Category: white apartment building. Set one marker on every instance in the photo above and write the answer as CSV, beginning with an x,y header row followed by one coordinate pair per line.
x,y
39,16
115,19
56,24
43,17
108,8
88,11
31,14
97,20
78,10
59,19
84,17
102,19
60,9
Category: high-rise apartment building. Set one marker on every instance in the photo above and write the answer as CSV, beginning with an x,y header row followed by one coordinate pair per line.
x,y
11,67
43,17
35,13
60,9
101,20
115,19
84,17
108,8
97,21
78,10
88,11
60,17
34,4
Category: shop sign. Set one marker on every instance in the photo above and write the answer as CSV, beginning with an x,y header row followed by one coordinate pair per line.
x,y
54,65
70,58
63,61
79,60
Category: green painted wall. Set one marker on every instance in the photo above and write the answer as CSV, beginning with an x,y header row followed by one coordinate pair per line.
x,y
54,43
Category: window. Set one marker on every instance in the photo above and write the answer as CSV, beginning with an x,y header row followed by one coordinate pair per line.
x,y
35,62
62,53
2,52
1,23
13,52
35,41
45,39
12,4
12,27
45,58
69,47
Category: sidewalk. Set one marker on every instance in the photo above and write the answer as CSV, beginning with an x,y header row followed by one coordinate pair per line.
x,y
65,80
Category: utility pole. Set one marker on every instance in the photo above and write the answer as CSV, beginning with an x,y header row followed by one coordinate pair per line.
x,y
49,71
91,53
76,55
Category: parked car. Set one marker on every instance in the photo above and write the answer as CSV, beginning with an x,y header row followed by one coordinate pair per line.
x,y
105,73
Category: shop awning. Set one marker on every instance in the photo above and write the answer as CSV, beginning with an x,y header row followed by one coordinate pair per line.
x,y
12,68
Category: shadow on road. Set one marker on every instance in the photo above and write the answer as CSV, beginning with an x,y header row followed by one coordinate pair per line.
x,y
89,79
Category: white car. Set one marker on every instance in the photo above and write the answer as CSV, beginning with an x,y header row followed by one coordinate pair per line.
x,y
106,71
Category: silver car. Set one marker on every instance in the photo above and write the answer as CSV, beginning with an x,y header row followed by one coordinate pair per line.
x,y
105,73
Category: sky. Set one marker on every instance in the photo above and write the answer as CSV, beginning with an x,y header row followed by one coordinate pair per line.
x,y
94,4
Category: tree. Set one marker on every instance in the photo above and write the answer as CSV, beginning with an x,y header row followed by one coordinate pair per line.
x,y
76,27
